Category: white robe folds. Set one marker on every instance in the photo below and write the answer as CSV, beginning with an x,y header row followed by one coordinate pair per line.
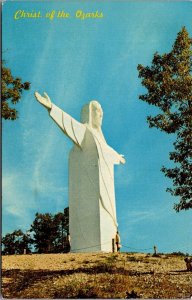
x,y
92,210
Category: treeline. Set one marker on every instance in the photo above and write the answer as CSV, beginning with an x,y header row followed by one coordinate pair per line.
x,y
48,234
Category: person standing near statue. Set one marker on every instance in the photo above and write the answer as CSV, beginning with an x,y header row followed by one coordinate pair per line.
x,y
92,210
118,241
68,242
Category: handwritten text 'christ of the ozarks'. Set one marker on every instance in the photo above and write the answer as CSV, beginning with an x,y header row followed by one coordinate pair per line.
x,y
61,14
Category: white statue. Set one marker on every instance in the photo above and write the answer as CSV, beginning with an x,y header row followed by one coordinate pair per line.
x,y
92,210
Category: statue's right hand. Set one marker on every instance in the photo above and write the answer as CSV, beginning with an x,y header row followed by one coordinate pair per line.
x,y
45,101
122,159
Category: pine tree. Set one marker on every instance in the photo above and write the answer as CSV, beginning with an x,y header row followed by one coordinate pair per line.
x,y
50,231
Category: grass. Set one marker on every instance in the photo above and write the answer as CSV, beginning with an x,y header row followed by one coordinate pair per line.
x,y
119,276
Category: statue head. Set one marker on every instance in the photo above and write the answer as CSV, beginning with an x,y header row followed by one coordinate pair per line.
x,y
92,114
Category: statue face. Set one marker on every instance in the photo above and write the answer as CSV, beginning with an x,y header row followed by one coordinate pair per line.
x,y
97,115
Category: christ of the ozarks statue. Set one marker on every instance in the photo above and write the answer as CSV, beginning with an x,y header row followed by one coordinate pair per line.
x,y
92,210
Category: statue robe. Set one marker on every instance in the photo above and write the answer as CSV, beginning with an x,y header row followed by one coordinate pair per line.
x,y
92,210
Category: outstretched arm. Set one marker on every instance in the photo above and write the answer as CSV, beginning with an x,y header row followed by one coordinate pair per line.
x,y
72,128
115,157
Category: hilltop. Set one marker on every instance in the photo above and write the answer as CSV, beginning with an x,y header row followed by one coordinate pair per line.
x,y
95,275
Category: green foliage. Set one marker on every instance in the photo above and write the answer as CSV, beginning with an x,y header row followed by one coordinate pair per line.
x,y
50,232
16,242
11,91
169,84
62,223
49,235
44,231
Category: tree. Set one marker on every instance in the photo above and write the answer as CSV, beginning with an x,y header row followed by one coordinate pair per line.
x,y
50,231
8,242
49,235
169,84
12,89
44,230
62,222
16,242
25,243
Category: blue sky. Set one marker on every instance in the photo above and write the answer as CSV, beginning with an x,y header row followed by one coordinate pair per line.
x,y
75,61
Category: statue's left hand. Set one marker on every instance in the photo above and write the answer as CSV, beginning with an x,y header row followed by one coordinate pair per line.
x,y
45,101
122,159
